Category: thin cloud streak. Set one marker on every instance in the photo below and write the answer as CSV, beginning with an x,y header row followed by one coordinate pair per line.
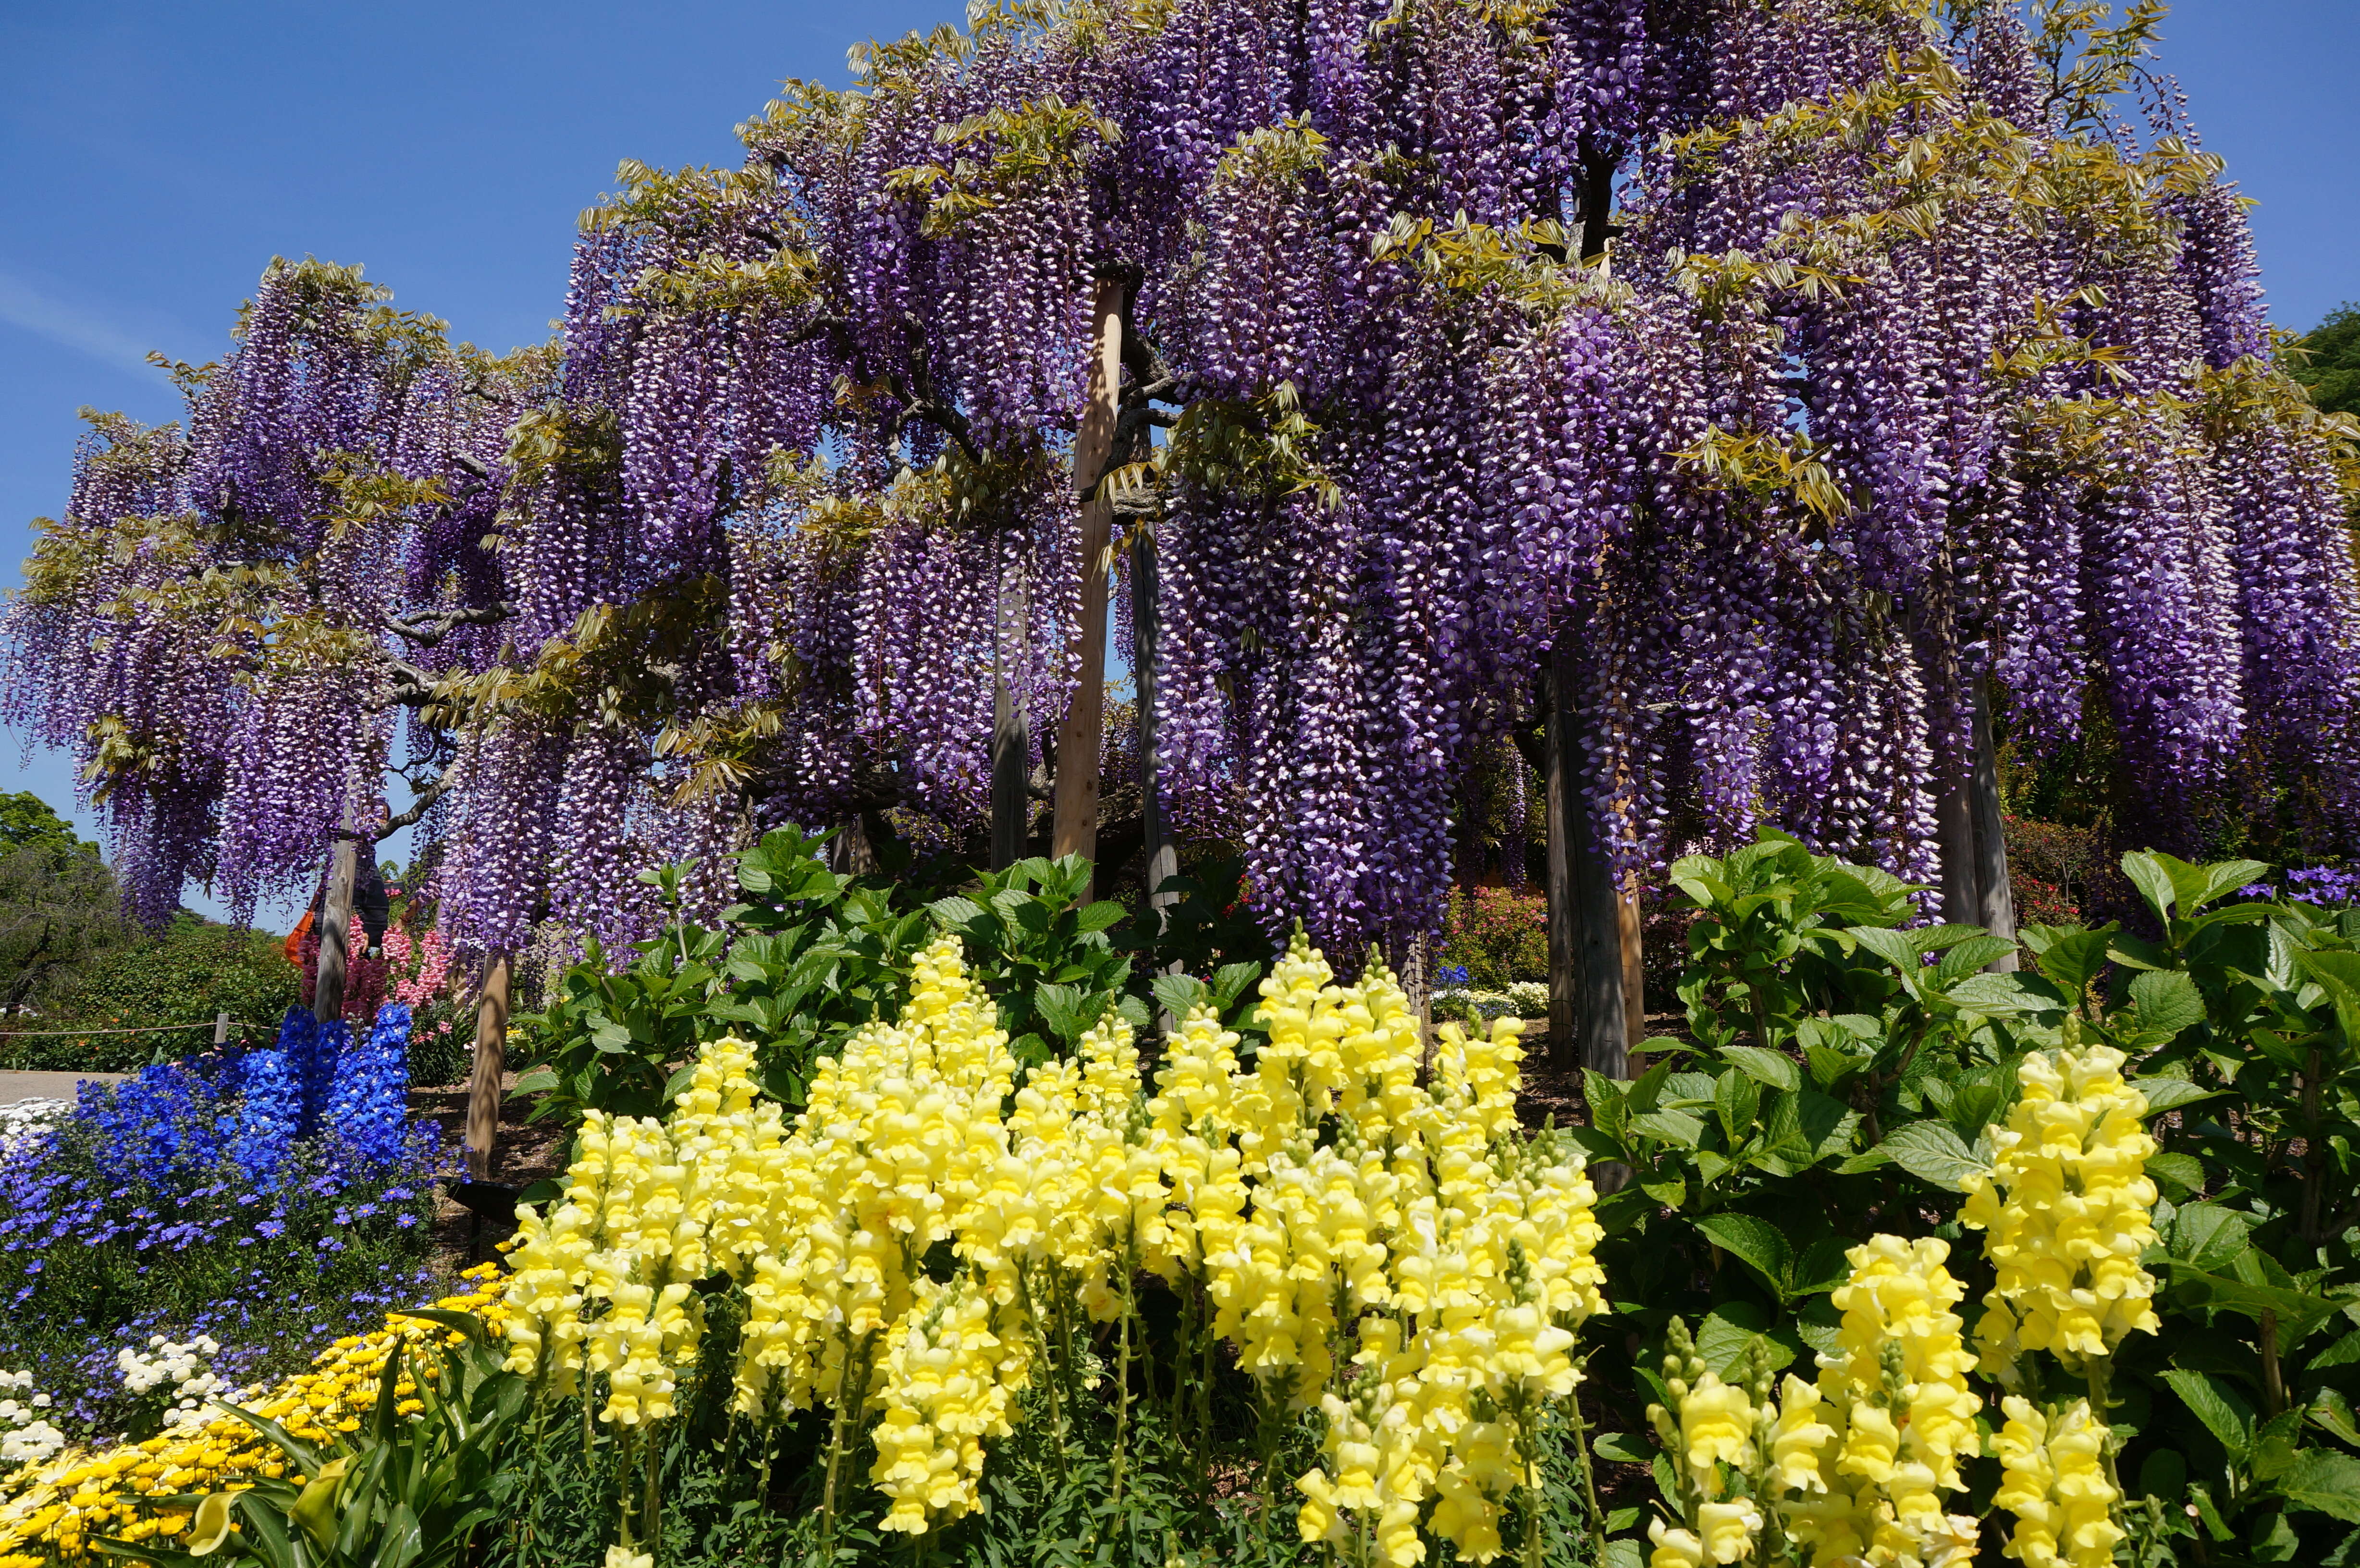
x,y
24,305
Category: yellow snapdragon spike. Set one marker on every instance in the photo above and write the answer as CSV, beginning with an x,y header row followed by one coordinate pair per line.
x,y
2066,1209
1319,1179
1897,1318
2053,1464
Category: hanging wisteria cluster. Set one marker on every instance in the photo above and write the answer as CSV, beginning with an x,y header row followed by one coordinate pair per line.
x,y
1793,371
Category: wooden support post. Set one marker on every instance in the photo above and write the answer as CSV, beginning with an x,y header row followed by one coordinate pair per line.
x,y
1634,967
484,1083
1012,745
1409,958
1954,837
1996,895
335,929
221,1028
1162,861
1585,918
849,853
1075,829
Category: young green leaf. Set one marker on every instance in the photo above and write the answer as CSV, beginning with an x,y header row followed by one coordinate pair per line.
x,y
1755,1242
1933,1152
2322,1481
2154,883
2164,1002
1773,1068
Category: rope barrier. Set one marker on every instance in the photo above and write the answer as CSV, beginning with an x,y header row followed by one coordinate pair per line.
x,y
149,1029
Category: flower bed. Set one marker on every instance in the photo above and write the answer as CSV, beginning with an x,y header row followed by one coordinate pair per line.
x,y
54,1508
261,1202
1917,1265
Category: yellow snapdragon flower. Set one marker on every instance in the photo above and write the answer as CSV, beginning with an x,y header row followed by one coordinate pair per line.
x,y
2054,1483
2068,1209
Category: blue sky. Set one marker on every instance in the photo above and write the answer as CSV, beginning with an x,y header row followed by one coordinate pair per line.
x,y
153,157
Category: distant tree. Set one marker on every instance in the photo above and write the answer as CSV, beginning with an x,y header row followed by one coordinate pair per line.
x,y
2333,369
59,906
26,817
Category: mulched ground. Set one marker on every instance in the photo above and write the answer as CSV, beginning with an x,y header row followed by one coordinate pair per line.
x,y
1554,1088
526,1153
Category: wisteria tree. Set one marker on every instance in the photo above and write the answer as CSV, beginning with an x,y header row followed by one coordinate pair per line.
x,y
1739,413
231,617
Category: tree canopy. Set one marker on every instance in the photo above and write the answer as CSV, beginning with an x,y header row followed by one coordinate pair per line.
x,y
1788,373
2328,366
60,908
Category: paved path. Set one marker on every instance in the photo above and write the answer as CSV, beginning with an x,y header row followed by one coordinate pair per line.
x,y
16,1086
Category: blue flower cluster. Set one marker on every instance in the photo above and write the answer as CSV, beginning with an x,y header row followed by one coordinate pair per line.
x,y
368,1108
1450,975
2326,885
268,1111
190,1199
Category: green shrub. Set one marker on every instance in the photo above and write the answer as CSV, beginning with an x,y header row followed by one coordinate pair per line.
x,y
1499,936
183,974
1851,1068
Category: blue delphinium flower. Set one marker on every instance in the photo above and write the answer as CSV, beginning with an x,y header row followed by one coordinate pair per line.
x,y
1450,975
311,1049
368,1108
269,1116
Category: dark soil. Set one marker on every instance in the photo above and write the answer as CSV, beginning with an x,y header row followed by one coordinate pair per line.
x,y
525,1153
1553,1088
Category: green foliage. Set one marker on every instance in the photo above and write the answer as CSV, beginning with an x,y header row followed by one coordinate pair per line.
x,y
1848,1067
183,974
816,955
2328,364
1043,954
610,1040
1209,947
1776,938
808,955
1499,935
26,819
61,914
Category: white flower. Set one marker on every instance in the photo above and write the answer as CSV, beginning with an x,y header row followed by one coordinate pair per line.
x,y
27,1119
31,1445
